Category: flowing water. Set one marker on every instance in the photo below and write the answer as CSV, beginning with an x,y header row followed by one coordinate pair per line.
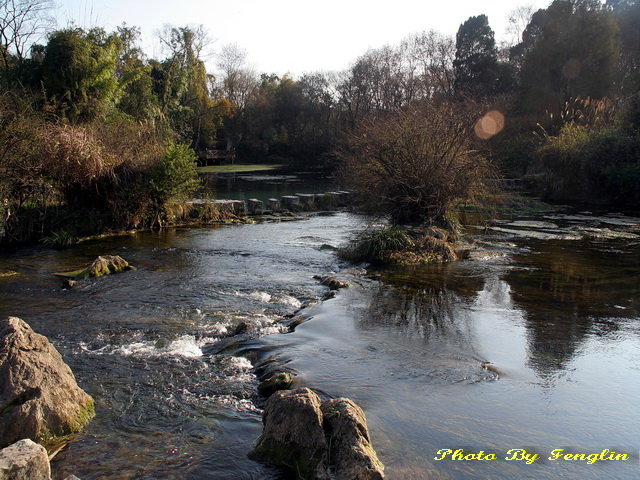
x,y
551,301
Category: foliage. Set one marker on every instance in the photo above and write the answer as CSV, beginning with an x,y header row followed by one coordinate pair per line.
x,y
592,161
569,50
76,159
87,121
476,63
402,247
627,15
21,166
376,245
173,178
414,165
78,72
59,239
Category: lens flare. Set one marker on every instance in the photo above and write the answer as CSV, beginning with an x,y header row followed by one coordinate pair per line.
x,y
489,125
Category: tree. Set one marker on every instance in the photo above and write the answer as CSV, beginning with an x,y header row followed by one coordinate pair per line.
x,y
182,85
184,45
414,164
21,23
571,49
518,19
238,84
433,55
173,178
627,14
79,72
134,74
476,62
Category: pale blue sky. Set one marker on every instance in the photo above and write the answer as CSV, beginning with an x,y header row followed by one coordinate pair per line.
x,y
295,36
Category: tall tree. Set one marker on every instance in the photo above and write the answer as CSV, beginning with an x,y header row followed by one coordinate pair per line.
x,y
571,49
433,55
237,83
79,72
134,74
182,85
476,62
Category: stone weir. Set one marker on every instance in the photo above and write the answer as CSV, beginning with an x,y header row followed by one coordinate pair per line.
x,y
300,202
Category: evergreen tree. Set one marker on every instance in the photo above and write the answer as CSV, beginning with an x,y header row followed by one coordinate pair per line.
x,y
476,62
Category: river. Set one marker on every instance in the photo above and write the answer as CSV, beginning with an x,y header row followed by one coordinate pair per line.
x,y
551,300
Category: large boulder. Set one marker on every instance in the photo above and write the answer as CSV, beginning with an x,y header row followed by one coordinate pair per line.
x,y
24,460
39,397
310,439
351,453
293,437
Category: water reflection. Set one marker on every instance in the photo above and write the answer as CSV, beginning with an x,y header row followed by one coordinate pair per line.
x,y
427,308
562,292
267,184
568,291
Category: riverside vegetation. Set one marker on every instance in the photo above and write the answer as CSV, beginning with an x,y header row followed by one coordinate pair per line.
x,y
96,137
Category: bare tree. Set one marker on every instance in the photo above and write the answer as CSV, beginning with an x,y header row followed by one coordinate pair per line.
x,y
518,21
21,23
238,81
183,41
433,54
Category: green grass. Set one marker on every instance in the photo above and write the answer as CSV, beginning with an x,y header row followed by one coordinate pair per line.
x,y
237,168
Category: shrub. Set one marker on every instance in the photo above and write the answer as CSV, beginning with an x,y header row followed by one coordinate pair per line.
x,y
173,178
327,202
415,164
592,165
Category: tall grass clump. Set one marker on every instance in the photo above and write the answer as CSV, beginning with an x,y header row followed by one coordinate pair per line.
x,y
59,239
377,245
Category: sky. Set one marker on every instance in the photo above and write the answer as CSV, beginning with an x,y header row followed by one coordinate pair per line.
x,y
291,36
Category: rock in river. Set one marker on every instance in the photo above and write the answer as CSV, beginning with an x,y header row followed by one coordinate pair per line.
x,y
351,453
39,397
279,381
103,265
311,439
293,437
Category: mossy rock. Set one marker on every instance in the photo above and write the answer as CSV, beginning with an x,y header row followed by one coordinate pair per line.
x,y
104,265
279,381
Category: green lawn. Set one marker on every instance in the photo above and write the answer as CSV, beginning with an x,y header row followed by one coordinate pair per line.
x,y
237,168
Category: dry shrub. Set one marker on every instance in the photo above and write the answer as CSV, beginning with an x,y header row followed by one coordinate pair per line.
x,y
414,165
74,155
130,142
